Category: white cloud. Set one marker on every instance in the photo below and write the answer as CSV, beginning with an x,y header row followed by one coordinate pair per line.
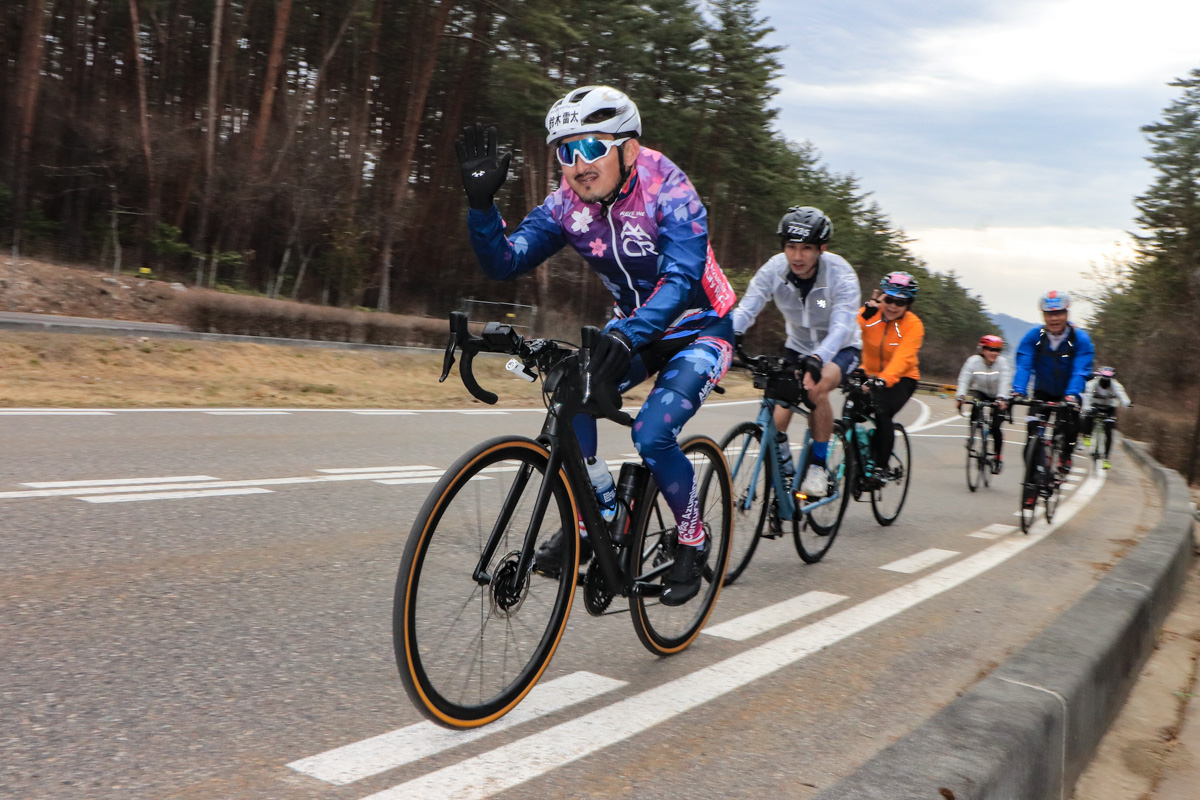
x,y
1011,267
1035,46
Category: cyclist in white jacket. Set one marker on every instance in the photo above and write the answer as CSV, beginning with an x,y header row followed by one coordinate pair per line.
x,y
819,296
987,376
1100,399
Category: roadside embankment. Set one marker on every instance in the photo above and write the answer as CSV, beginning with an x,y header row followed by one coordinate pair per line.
x,y
1029,729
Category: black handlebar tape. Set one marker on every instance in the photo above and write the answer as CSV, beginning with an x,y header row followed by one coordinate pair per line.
x,y
468,379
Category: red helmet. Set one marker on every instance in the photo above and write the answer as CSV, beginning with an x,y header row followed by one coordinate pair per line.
x,y
991,340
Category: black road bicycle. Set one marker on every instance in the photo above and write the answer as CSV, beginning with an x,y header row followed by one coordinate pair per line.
x,y
887,487
980,458
474,624
1043,480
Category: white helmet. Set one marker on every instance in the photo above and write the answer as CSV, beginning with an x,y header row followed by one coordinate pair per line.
x,y
593,109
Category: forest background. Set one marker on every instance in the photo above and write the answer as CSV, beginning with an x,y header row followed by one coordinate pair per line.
x,y
304,148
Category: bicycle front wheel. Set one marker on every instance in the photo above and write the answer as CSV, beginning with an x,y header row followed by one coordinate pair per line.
x,y
888,499
976,456
469,649
751,493
815,534
666,630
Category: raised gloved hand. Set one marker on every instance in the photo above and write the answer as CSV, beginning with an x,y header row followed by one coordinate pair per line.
x,y
610,356
483,172
874,384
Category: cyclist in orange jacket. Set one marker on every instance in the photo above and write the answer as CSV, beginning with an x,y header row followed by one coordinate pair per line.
x,y
892,336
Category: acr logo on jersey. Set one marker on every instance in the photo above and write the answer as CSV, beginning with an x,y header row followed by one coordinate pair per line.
x,y
635,242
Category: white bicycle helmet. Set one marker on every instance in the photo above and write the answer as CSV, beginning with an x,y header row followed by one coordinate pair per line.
x,y
593,109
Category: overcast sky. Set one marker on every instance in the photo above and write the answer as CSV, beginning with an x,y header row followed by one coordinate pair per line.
x,y
1003,137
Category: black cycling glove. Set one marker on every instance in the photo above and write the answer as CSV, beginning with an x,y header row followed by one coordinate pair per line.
x,y
483,172
811,365
610,356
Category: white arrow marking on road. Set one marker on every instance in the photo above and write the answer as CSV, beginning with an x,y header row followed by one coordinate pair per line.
x,y
360,760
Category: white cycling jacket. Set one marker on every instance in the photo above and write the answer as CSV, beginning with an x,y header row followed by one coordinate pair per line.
x,y
822,324
1096,395
976,375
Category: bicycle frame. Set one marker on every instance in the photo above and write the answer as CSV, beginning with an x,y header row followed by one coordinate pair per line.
x,y
566,455
769,449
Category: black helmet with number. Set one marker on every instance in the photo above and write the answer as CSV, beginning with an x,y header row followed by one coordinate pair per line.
x,y
806,225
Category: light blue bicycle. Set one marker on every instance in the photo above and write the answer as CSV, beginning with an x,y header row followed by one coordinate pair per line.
x,y
762,503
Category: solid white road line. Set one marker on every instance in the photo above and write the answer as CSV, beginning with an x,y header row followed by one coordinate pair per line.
x,y
56,413
363,470
139,497
249,413
95,490
525,759
385,413
360,760
118,482
765,619
920,561
484,413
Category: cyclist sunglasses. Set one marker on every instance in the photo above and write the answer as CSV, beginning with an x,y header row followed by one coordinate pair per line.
x,y
993,349
589,149
895,301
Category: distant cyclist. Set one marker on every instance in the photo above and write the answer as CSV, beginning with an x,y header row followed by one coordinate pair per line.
x,y
892,336
987,377
1101,397
1057,357
818,294
637,221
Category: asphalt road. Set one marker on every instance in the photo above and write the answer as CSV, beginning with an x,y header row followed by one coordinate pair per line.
x,y
195,636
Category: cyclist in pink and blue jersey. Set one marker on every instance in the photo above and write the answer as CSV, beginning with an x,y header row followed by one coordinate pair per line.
x,y
637,221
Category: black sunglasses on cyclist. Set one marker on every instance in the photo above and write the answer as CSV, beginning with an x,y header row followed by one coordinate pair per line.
x,y
590,150
993,349
895,301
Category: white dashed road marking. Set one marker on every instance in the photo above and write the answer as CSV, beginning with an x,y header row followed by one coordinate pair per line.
x,y
920,561
141,496
765,619
390,750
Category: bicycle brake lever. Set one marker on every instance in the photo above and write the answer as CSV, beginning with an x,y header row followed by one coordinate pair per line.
x,y
448,358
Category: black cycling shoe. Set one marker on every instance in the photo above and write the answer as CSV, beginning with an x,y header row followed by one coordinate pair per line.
x,y
682,581
548,558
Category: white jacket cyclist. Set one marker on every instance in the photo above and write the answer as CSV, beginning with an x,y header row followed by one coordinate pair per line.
x,y
1096,395
976,375
821,324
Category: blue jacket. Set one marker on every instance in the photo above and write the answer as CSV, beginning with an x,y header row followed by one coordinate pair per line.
x,y
1057,372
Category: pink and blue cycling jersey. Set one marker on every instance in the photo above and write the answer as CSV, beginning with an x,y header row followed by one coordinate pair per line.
x,y
650,248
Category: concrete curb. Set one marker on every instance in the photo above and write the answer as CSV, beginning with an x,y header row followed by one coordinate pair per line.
x,y
165,333
1029,729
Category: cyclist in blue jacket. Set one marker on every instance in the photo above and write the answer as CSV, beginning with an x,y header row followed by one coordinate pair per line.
x,y
637,221
1058,357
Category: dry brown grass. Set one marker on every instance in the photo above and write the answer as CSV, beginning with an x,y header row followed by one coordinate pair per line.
x,y
64,370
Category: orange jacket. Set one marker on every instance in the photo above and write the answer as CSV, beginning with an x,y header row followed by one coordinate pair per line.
x,y
890,348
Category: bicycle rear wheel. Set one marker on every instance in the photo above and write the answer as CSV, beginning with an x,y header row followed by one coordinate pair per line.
x,y
469,650
666,630
815,533
976,455
888,499
751,494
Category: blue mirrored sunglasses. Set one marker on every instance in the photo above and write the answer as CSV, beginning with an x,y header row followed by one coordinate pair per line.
x,y
589,149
